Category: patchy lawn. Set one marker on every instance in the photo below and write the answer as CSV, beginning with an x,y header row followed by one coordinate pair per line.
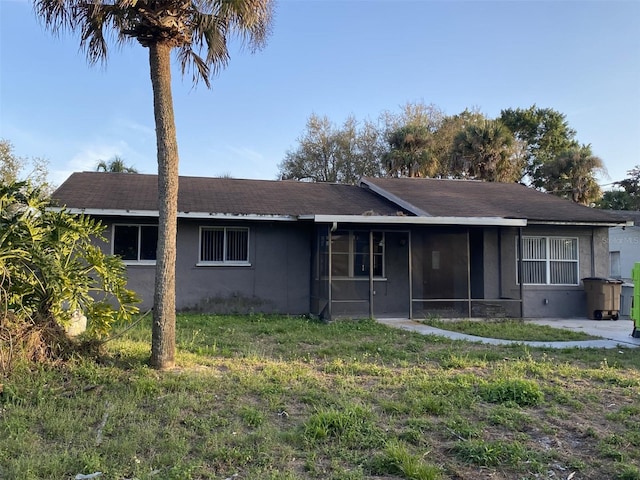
x,y
267,397
509,329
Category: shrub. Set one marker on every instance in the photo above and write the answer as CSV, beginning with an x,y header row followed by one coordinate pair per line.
x,y
50,269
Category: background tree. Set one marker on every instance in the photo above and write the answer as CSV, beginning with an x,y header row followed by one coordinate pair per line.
x,y
410,140
198,31
487,151
442,143
115,165
327,153
14,168
627,197
631,185
572,175
616,200
544,134
410,153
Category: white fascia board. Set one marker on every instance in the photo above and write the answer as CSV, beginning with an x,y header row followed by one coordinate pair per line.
x,y
405,220
395,199
582,224
104,212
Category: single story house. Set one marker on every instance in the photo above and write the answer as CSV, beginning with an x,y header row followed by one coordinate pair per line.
x,y
400,247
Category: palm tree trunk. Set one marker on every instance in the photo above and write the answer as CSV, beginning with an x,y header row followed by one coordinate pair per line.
x,y
163,341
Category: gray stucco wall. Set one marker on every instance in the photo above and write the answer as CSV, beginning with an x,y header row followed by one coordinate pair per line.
x,y
627,242
553,301
276,281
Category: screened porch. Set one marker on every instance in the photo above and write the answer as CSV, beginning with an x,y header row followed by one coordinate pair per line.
x,y
415,271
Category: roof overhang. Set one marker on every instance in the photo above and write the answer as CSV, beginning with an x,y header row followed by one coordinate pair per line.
x,y
101,212
406,220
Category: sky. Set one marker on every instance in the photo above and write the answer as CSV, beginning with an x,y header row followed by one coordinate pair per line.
x,y
334,58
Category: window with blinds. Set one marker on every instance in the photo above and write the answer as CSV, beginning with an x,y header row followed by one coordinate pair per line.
x,y
549,261
224,245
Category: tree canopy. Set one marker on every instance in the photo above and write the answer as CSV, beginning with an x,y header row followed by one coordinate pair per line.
x,y
627,193
486,151
14,168
328,153
572,175
535,146
115,165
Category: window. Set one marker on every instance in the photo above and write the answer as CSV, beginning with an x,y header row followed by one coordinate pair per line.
x,y
224,245
350,254
549,261
135,243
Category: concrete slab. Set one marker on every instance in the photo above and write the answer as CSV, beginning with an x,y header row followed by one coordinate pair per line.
x,y
619,331
612,334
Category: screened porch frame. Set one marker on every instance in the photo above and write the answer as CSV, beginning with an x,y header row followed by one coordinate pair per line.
x,y
328,311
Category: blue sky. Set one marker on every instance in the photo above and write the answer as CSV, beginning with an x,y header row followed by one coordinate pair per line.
x,y
333,58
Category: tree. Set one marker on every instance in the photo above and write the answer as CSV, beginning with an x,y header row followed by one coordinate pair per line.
x,y
115,165
631,185
327,153
616,200
410,136
13,168
163,26
544,133
628,198
442,144
572,175
409,152
487,151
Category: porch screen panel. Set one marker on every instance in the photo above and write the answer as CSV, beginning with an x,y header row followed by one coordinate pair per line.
x,y
340,248
350,270
320,273
440,272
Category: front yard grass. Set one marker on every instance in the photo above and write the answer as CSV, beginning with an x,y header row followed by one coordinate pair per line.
x,y
270,397
509,329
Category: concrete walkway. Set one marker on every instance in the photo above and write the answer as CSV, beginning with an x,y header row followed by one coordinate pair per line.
x,y
613,334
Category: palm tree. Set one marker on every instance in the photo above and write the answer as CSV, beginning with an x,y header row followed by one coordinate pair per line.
x,y
572,175
487,150
190,27
409,152
115,165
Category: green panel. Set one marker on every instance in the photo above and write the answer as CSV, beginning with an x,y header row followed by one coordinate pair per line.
x,y
635,309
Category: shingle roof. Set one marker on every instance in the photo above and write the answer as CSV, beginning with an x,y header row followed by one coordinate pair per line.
x,y
127,191
466,198
632,215
421,196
